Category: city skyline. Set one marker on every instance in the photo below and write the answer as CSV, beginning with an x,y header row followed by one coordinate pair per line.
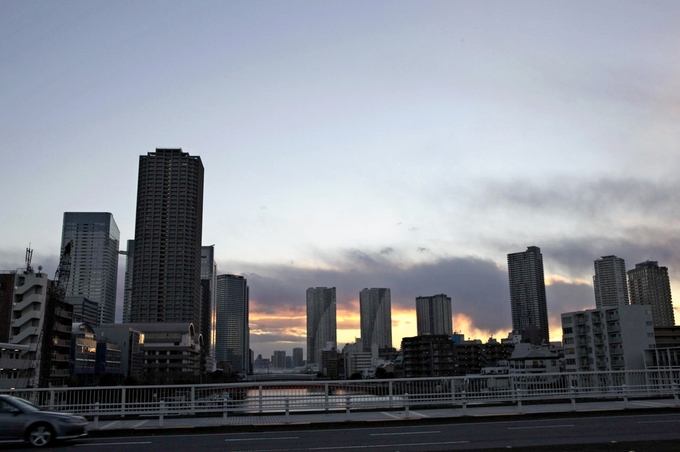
x,y
387,144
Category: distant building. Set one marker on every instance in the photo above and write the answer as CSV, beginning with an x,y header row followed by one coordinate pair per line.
x,y
127,288
358,360
376,317
279,359
533,359
650,285
232,336
91,357
15,369
130,341
321,321
611,338
433,315
298,359
428,356
84,310
166,277
527,296
94,259
209,300
331,362
609,282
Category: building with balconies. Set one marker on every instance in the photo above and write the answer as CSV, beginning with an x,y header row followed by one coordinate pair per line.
x,y
610,338
15,369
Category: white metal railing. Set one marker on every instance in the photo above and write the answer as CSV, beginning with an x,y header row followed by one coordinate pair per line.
x,y
298,396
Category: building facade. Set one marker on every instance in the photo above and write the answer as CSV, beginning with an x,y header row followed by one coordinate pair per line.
x,y
609,282
166,278
433,315
232,340
528,301
127,288
94,259
209,300
376,317
298,360
610,338
650,285
321,321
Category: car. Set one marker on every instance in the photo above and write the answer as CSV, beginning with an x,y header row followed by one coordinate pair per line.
x,y
21,421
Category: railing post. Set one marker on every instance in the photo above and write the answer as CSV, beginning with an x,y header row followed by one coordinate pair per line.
x,y
391,393
519,400
572,394
52,399
287,409
260,399
193,399
162,411
225,410
347,404
625,395
326,395
122,401
464,402
675,393
96,416
406,412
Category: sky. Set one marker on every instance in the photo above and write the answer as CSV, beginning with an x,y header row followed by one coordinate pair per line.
x,y
351,144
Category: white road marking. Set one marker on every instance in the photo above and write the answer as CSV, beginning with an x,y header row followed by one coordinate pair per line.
x,y
418,414
139,424
111,424
658,422
540,426
391,415
113,444
404,433
263,439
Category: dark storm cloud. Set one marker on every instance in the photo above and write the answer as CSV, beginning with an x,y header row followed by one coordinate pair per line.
x,y
477,287
593,199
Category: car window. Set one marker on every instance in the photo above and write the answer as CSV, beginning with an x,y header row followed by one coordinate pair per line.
x,y
25,405
6,407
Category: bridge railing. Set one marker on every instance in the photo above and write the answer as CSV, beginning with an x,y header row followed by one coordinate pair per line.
x,y
299,396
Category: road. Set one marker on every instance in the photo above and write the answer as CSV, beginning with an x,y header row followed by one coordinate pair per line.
x,y
410,438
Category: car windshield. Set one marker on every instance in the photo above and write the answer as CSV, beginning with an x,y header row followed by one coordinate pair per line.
x,y
24,404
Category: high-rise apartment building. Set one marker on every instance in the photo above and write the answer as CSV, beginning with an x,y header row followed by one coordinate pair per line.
x,y
279,359
166,277
127,288
433,315
209,301
232,338
321,322
650,285
94,259
376,317
298,360
609,282
528,302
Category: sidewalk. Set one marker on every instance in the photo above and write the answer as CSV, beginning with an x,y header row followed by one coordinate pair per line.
x,y
175,422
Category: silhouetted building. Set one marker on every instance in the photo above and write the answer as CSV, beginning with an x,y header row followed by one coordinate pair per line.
x,y
84,310
609,282
127,288
527,296
209,300
650,285
166,279
321,321
232,341
94,259
298,360
433,315
376,317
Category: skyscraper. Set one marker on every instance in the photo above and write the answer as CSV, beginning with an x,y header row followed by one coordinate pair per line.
x,y
609,282
321,322
527,296
650,284
209,300
94,259
434,315
127,288
298,360
166,277
376,317
232,333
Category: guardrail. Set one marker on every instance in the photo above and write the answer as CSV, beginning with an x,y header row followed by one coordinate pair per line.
x,y
395,394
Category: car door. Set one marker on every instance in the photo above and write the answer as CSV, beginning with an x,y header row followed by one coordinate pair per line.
x,y
11,422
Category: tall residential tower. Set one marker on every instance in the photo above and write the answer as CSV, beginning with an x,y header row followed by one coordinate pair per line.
x,y
609,282
375,307
166,277
650,284
94,259
528,302
321,322
232,331
434,315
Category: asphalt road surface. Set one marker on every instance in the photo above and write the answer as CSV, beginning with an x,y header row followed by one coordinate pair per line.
x,y
650,432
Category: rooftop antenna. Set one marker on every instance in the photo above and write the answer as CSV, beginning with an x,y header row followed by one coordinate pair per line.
x,y
29,256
